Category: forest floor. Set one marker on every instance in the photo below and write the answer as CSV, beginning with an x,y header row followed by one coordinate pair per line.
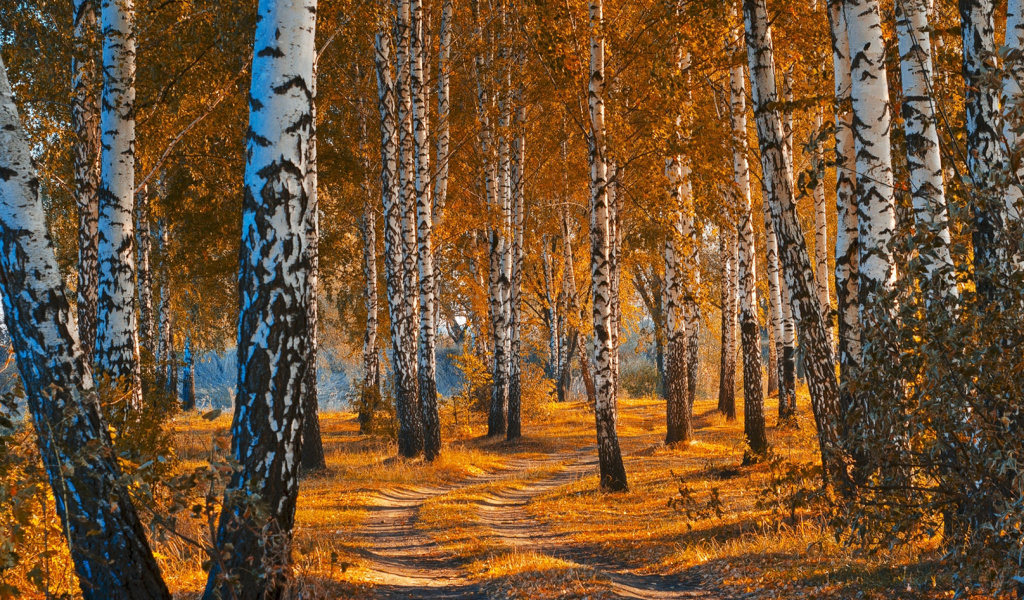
x,y
492,519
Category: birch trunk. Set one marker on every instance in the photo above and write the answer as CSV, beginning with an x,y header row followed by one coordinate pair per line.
x,y
312,446
772,368
613,473
145,246
679,426
394,262
727,367
872,119
750,329
787,360
821,272
551,313
778,176
443,110
775,303
427,366
85,121
274,287
691,306
188,383
165,334
96,512
846,250
117,336
371,358
923,152
515,294
1011,100
986,160
410,423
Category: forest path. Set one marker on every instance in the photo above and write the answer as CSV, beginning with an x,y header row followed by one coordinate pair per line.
x,y
505,513
404,562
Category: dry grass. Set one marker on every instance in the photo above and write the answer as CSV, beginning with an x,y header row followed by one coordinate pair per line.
x,y
748,552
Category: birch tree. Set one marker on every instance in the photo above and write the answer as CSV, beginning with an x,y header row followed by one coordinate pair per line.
x,y
312,446
846,249
750,329
679,425
368,228
986,159
117,336
85,121
274,287
514,430
145,284
613,473
727,368
777,174
427,365
923,153
821,272
872,121
394,263
95,510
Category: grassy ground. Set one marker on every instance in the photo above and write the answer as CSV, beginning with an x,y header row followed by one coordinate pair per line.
x,y
692,512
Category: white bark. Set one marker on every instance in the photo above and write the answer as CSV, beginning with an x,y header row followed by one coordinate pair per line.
x,y
107,540
821,271
750,330
613,474
117,335
427,366
85,120
274,284
923,152
846,249
872,118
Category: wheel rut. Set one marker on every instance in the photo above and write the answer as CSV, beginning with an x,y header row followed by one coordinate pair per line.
x,y
505,513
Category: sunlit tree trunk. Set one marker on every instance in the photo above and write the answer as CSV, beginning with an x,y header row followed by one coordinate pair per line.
x,y
772,368
727,368
679,426
787,350
691,305
776,171
394,263
846,249
145,245
986,159
85,121
166,333
516,284
111,554
1011,101
410,422
923,152
368,227
775,304
188,378
872,121
443,110
427,366
551,312
117,335
274,286
615,254
750,328
573,304
613,473
312,446
821,247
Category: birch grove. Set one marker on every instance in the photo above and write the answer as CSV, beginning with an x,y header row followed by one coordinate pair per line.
x,y
550,272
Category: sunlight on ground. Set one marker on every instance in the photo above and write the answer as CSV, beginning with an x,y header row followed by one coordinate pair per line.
x,y
733,546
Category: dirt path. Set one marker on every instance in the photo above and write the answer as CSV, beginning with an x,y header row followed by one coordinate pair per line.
x,y
405,563
505,513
